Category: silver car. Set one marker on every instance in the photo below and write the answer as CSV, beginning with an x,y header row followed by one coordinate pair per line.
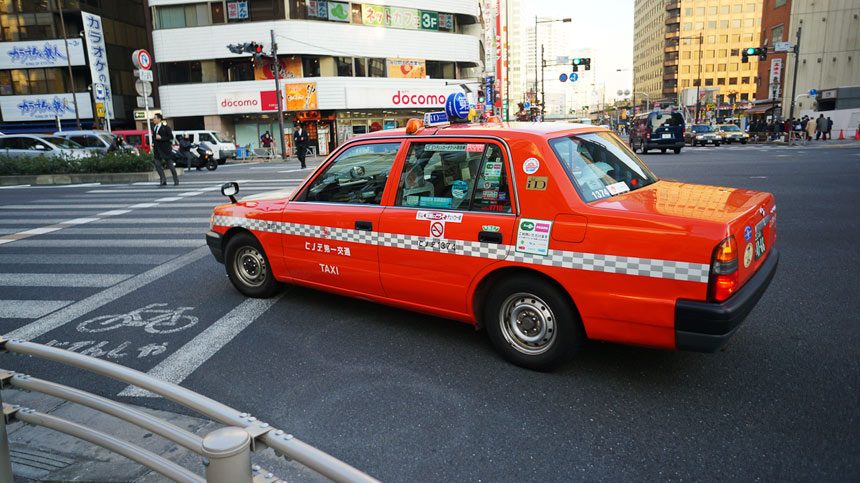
x,y
33,145
101,142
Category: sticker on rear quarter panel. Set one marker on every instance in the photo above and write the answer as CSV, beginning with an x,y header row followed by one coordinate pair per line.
x,y
531,165
748,254
533,236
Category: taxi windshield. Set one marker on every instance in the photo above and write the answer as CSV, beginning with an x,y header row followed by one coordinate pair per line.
x,y
702,128
599,166
730,127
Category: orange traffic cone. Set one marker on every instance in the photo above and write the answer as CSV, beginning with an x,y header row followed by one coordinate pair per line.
x,y
841,134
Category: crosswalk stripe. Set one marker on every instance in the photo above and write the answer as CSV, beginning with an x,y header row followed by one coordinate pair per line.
x,y
164,221
99,206
29,309
71,312
181,363
151,230
83,259
61,279
113,243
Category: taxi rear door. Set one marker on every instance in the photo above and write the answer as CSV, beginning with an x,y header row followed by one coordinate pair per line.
x,y
331,226
451,218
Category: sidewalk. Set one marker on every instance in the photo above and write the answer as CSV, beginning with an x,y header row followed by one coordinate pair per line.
x,y
40,454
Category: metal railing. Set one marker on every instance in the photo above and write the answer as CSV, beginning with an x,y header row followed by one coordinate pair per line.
x,y
226,451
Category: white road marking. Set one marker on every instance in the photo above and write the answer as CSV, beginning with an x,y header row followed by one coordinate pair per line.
x,y
169,198
61,279
78,309
114,243
81,259
150,230
62,206
142,205
185,360
29,309
14,186
148,221
114,213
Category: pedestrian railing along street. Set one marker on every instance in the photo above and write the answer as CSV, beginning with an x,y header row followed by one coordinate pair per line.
x,y
226,451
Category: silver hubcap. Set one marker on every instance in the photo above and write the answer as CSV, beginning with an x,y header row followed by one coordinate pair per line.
x,y
250,266
527,323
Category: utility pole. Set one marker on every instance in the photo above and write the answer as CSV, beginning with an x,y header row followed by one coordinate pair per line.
x,y
69,64
794,77
536,58
276,70
542,91
699,82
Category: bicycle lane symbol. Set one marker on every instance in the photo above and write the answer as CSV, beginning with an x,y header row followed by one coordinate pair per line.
x,y
154,318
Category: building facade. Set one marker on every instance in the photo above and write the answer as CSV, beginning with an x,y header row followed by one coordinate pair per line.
x,y
37,92
699,44
829,61
775,28
346,68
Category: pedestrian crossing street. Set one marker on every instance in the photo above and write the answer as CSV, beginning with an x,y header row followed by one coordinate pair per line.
x,y
66,254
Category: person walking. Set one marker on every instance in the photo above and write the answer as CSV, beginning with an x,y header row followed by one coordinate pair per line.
x,y
829,128
820,127
301,139
162,138
266,141
811,124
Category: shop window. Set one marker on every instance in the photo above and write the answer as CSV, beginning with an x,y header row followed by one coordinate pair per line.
x,y
218,12
361,67
344,66
180,72
310,66
441,70
376,68
776,34
264,10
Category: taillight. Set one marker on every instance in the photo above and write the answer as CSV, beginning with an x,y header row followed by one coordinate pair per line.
x,y
724,270
683,130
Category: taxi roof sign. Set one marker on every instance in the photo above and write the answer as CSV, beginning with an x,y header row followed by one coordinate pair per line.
x,y
437,118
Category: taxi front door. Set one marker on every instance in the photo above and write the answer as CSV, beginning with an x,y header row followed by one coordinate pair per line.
x,y
451,220
330,229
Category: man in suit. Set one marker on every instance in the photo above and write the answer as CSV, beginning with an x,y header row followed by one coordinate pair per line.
x,y
301,140
162,139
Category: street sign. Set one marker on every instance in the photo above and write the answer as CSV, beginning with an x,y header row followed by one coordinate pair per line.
x,y
563,77
141,59
812,92
99,91
144,75
782,47
100,109
143,88
140,114
144,102
527,105
574,77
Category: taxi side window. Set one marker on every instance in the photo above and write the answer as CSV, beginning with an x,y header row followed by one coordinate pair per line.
x,y
452,175
358,175
492,192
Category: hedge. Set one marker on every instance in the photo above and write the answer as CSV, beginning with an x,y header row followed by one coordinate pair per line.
x,y
102,163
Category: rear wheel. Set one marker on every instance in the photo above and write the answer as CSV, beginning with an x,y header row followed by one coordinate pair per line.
x,y
248,267
744,141
663,150
717,144
677,150
532,323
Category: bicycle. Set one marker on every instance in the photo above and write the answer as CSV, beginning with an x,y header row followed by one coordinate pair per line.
x,y
160,321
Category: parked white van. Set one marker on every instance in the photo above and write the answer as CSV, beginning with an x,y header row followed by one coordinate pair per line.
x,y
221,150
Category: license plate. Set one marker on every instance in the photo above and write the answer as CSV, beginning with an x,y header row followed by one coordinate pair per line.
x,y
667,136
759,245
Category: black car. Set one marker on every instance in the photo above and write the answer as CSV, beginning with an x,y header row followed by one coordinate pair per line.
x,y
657,130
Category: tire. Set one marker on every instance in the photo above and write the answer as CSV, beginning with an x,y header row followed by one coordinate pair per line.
x,y
643,148
248,267
212,165
222,161
663,150
717,144
632,147
555,339
744,141
677,150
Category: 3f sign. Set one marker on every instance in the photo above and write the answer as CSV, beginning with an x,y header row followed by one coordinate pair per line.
x,y
429,21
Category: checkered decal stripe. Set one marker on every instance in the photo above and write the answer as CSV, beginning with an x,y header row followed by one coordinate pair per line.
x,y
645,267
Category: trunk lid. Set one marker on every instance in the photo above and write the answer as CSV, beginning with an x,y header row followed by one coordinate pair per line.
x,y
749,216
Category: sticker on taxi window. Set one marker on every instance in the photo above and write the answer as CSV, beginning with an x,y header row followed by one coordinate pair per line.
x,y
493,171
439,216
474,148
459,189
445,147
533,236
617,188
531,165
435,202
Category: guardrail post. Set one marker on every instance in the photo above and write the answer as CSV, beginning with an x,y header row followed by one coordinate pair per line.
x,y
5,459
228,454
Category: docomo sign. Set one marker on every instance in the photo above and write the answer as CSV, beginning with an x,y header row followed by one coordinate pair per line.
x,y
375,98
246,102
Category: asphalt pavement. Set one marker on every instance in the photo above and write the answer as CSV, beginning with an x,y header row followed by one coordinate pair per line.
x,y
408,397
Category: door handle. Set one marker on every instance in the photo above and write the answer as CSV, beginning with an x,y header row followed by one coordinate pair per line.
x,y
363,225
490,237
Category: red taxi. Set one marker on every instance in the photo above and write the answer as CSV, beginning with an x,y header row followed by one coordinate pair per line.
x,y
543,234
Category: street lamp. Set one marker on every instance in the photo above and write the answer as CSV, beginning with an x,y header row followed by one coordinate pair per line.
x,y
562,20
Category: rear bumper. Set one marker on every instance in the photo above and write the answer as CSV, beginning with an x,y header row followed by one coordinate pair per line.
x,y
705,326
213,239
663,143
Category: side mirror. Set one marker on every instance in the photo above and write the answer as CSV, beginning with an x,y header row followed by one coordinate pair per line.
x,y
230,190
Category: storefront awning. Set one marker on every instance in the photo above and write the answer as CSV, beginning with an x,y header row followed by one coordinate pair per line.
x,y
760,109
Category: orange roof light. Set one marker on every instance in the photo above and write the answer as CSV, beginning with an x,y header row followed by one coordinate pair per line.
x,y
414,125
494,119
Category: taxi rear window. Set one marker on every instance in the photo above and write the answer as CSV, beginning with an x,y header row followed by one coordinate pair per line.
x,y
599,166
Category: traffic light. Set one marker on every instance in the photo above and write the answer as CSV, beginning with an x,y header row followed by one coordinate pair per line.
x,y
585,62
760,51
248,48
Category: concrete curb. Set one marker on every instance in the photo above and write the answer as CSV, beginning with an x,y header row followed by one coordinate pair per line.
x,y
104,178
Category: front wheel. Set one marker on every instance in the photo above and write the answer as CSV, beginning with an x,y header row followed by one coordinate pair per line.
x,y
212,165
744,141
248,267
663,150
717,144
532,323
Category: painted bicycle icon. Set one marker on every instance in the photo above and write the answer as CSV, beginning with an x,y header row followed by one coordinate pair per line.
x,y
153,318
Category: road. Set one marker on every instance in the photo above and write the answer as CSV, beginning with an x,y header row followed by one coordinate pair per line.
x,y
410,397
